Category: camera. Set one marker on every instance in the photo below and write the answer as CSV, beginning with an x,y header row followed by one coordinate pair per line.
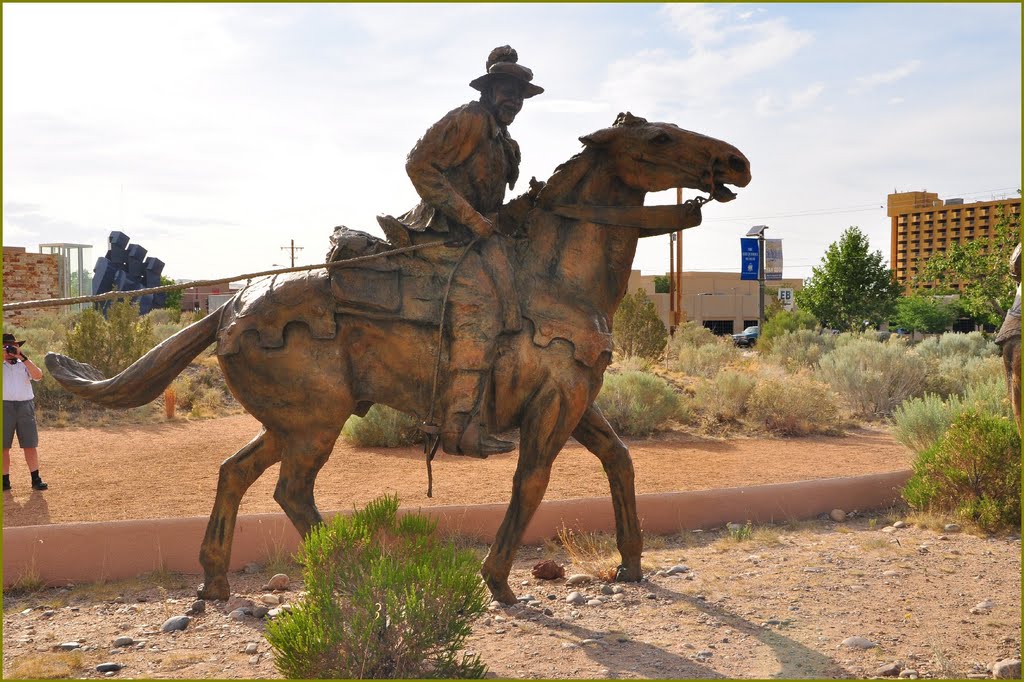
x,y
11,349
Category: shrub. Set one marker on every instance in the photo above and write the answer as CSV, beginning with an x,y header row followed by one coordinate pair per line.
x,y
953,375
382,427
705,360
919,423
637,404
690,335
634,363
784,322
792,405
384,599
873,377
110,344
724,398
953,344
973,471
637,328
800,349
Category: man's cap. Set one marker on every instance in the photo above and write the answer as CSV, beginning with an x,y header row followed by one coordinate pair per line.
x,y
502,63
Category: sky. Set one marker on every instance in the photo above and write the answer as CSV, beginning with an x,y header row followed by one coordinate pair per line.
x,y
215,136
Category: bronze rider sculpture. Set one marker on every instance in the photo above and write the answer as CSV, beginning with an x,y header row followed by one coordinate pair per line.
x,y
460,169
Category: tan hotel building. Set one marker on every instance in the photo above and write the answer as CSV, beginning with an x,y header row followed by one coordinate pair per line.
x,y
923,225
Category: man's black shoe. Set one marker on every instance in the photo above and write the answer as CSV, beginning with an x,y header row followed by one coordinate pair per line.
x,y
39,485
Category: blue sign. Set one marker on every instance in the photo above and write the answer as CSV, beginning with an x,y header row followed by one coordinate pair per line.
x,y
749,261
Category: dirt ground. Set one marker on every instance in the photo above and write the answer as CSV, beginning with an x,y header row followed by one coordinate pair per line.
x,y
170,470
777,602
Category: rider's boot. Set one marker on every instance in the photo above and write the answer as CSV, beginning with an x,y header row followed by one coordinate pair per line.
x,y
463,431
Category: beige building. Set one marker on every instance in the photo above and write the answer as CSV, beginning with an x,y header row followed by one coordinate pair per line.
x,y
923,225
720,301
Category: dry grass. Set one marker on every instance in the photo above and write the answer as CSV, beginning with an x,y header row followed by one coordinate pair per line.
x,y
593,553
48,666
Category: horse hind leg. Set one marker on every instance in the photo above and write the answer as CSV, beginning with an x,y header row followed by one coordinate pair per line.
x,y
237,473
596,434
305,456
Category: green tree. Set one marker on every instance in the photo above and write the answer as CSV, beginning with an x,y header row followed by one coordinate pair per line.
x,y
637,329
984,269
661,284
173,301
785,321
852,285
921,312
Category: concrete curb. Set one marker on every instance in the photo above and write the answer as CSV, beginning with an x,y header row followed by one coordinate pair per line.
x,y
91,552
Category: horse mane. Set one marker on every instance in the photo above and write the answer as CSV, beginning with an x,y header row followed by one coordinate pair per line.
x,y
566,177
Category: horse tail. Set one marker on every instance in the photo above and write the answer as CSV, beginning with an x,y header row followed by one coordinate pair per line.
x,y
146,378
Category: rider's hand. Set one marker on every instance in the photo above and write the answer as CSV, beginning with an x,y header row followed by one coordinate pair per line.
x,y
482,227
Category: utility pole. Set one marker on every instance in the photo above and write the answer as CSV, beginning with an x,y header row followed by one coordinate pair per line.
x,y
292,249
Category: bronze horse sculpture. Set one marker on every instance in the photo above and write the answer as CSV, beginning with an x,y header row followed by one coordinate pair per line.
x,y
1008,339
302,365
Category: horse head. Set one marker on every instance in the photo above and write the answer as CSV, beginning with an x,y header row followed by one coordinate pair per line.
x,y
581,243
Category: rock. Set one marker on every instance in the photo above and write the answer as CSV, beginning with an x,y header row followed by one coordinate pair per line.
x,y
175,623
986,604
1006,669
48,613
678,568
890,574
237,602
579,579
650,595
908,674
548,570
594,602
278,582
951,528
889,670
252,568
260,611
607,589
705,654
239,614
270,599
198,606
251,648
576,598
526,598
254,660
274,613
732,525
889,529
124,641
548,612
68,646
618,589
837,515
900,524
108,667
858,643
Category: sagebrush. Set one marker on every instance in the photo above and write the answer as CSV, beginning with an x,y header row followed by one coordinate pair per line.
x,y
382,427
636,403
873,377
792,405
384,599
973,472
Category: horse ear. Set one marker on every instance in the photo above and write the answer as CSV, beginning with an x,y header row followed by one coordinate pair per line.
x,y
599,138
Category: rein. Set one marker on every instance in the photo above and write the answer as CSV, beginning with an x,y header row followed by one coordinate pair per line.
x,y
670,217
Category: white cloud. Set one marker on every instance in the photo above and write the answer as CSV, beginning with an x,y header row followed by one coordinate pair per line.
x,y
865,83
803,98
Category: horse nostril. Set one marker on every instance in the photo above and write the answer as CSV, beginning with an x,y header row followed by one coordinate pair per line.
x,y
737,164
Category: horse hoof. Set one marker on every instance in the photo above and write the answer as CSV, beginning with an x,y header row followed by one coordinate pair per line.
x,y
217,590
628,575
505,595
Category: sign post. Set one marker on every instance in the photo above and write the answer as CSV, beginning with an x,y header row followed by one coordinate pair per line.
x,y
757,234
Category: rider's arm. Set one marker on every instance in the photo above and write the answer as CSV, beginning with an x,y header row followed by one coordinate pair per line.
x,y
448,143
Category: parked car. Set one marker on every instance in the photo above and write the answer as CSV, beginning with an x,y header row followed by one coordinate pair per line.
x,y
747,337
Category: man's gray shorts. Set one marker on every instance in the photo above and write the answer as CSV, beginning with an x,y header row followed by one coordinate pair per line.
x,y
20,418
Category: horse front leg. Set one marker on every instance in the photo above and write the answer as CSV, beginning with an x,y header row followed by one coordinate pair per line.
x,y
596,434
237,473
545,428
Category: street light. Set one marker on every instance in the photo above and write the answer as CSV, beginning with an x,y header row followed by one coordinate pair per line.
x,y
758,231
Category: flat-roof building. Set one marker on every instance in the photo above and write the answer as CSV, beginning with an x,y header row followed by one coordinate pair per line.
x,y
924,225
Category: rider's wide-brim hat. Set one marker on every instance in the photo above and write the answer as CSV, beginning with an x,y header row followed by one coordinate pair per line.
x,y
508,70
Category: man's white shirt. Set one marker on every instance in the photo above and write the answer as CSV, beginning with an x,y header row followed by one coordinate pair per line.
x,y
17,382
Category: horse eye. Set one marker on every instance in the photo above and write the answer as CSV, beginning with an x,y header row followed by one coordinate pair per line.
x,y
661,138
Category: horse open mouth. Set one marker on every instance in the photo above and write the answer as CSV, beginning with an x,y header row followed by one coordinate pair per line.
x,y
722,193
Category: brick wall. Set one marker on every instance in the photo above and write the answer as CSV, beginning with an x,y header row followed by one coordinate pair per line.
x,y
28,277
